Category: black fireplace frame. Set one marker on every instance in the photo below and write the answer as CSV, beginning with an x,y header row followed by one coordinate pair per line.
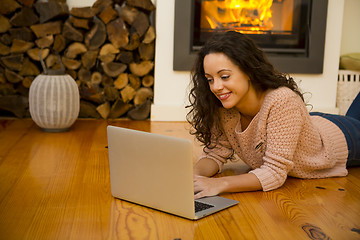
x,y
311,63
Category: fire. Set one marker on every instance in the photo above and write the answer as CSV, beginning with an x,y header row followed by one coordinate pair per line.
x,y
248,16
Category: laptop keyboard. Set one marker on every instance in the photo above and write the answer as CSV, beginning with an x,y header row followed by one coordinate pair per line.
x,y
199,206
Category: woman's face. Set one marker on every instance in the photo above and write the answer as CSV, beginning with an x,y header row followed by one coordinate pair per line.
x,y
229,84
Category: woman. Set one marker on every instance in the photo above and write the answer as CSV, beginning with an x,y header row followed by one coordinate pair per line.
x,y
239,104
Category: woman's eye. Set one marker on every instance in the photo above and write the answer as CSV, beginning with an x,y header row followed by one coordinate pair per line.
x,y
225,77
209,79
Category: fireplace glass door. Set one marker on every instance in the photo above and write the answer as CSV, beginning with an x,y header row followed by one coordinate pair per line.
x,y
277,26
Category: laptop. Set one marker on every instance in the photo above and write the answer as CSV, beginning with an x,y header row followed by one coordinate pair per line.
x,y
156,171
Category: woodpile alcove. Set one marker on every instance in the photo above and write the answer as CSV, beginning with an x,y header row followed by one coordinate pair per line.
x,y
107,48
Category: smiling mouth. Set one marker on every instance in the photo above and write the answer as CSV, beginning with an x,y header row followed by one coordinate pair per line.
x,y
224,96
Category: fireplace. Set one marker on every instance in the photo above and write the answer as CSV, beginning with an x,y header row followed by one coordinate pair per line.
x,y
291,32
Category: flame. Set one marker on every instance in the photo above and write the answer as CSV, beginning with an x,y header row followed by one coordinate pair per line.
x,y
248,16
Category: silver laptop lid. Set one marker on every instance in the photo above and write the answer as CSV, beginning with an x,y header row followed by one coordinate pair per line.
x,y
152,170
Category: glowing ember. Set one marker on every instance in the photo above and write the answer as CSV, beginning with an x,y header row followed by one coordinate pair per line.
x,y
250,16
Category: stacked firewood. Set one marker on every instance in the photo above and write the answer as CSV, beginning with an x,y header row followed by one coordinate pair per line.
x,y
107,48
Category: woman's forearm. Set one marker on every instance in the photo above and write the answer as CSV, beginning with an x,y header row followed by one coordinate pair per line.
x,y
241,183
205,186
206,167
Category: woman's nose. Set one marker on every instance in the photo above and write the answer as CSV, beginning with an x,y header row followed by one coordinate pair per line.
x,y
217,85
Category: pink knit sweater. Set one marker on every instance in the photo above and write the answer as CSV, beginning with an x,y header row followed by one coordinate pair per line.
x,y
282,140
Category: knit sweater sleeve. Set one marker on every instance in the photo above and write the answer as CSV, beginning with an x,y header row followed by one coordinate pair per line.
x,y
283,127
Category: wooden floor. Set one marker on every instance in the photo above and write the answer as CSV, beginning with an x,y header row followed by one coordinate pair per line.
x,y
56,186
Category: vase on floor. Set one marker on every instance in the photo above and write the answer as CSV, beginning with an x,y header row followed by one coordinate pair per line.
x,y
54,99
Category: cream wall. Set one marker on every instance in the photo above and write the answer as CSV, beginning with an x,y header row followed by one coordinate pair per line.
x,y
79,3
350,41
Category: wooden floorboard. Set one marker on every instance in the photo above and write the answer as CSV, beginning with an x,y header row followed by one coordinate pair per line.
x,y
57,186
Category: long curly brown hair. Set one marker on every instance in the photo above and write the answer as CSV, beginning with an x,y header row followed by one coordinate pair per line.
x,y
204,106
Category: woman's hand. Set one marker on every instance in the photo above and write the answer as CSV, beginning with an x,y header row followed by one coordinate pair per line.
x,y
205,186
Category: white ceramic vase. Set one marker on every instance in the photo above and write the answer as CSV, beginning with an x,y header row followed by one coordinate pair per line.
x,y
54,100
